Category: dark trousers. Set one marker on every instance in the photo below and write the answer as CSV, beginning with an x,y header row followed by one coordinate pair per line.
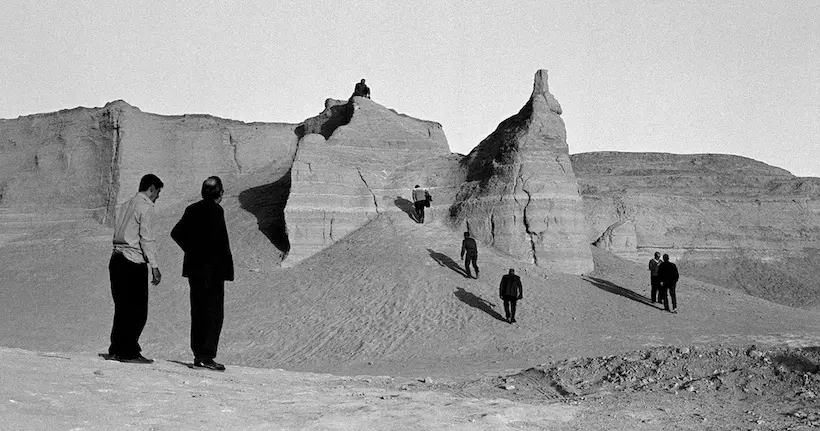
x,y
467,260
509,306
420,211
655,281
207,314
129,289
668,288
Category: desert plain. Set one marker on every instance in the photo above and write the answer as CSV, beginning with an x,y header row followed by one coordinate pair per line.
x,y
347,314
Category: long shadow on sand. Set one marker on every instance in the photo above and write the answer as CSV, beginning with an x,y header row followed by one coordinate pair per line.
x,y
406,206
477,302
618,290
444,260
799,360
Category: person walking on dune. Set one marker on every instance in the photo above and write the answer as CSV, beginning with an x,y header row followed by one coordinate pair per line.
x,y
668,273
134,252
654,280
208,263
510,291
421,199
469,249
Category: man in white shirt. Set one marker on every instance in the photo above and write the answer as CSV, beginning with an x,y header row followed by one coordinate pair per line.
x,y
134,252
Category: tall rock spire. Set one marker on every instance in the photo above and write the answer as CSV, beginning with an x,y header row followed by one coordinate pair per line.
x,y
520,193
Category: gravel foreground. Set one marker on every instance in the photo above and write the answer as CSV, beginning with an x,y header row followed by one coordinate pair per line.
x,y
711,387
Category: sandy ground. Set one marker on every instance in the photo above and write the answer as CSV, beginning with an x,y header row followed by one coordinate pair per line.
x,y
388,300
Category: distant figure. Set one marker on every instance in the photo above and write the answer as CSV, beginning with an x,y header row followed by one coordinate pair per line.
x,y
470,249
362,90
208,263
134,252
654,280
421,199
510,292
668,273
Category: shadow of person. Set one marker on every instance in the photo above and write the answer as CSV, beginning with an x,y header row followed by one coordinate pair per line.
x,y
799,360
406,206
267,203
618,290
444,260
477,302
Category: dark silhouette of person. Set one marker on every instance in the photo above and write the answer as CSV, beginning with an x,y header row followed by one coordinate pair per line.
x,y
654,280
203,237
510,291
469,252
668,274
421,199
134,251
361,89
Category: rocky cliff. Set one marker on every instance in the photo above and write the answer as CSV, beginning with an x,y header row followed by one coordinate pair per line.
x,y
729,219
520,193
355,160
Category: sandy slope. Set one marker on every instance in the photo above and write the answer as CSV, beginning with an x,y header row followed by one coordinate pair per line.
x,y
388,299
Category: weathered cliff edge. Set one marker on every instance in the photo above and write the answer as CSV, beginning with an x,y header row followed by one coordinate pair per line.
x,y
86,160
731,220
356,160
520,194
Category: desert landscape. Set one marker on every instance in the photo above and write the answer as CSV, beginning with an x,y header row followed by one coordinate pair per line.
x,y
347,314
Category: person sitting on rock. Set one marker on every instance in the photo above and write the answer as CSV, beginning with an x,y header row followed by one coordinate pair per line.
x,y
421,199
510,291
361,90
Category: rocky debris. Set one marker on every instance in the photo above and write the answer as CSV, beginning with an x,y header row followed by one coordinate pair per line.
x,y
355,161
727,220
520,194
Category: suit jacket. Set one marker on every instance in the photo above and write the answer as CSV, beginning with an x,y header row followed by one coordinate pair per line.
x,y
668,273
202,235
511,286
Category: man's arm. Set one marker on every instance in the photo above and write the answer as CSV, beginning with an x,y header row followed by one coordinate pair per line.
x,y
179,232
148,244
462,247
520,289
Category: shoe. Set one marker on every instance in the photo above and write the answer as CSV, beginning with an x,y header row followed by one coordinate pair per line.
x,y
209,364
109,356
139,359
512,320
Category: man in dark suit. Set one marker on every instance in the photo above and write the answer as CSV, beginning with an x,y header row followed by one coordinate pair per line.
x,y
510,291
470,249
668,273
208,263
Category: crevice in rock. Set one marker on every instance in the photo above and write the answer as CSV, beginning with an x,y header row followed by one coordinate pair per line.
x,y
234,148
375,202
558,161
531,235
110,123
267,204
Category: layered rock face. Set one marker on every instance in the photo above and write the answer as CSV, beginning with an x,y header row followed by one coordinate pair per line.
x,y
88,160
733,220
520,194
368,163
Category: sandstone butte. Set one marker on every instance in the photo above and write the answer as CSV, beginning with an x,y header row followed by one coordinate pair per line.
x,y
301,188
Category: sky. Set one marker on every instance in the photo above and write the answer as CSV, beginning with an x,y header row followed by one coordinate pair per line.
x,y
731,77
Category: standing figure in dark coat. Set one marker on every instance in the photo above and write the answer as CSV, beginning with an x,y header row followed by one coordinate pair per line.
x,y
208,263
510,292
470,249
361,90
654,280
668,273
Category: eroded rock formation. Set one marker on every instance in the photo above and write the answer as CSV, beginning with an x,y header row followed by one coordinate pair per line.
x,y
520,193
370,160
736,221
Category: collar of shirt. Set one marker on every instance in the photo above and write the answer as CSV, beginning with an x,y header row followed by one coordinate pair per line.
x,y
145,198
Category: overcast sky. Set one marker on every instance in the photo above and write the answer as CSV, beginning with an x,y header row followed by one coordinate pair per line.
x,y
735,77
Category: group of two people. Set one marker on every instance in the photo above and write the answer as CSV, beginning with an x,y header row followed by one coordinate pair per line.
x,y
202,235
510,289
663,280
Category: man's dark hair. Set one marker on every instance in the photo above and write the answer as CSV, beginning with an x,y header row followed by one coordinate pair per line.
x,y
212,188
657,254
466,234
149,180
666,258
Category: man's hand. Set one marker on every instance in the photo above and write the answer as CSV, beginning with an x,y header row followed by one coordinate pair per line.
x,y
156,276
